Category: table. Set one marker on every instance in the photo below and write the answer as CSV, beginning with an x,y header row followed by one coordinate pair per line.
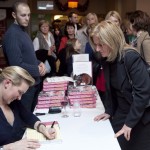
x,y
82,133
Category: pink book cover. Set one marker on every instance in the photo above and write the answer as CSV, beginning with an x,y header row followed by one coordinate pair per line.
x,y
50,102
81,93
48,105
50,98
81,96
81,88
88,106
83,99
55,85
52,93
84,102
55,89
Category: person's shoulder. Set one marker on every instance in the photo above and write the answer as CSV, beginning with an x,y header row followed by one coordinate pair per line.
x,y
130,53
13,30
131,56
144,37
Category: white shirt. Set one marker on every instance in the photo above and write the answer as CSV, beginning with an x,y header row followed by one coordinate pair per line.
x,y
37,47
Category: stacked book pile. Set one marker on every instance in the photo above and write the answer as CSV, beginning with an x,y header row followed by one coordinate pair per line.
x,y
86,95
55,86
53,92
50,99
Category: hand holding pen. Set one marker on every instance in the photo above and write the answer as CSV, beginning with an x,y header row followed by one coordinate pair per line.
x,y
50,133
53,124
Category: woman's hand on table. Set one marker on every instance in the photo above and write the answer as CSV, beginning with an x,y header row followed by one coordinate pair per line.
x,y
103,116
23,144
50,133
126,131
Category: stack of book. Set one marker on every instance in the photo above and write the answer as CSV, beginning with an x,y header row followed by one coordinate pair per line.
x,y
50,99
53,92
86,95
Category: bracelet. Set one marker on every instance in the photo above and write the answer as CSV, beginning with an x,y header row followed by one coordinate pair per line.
x,y
38,126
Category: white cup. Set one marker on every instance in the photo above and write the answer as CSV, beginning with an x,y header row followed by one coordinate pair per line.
x,y
76,109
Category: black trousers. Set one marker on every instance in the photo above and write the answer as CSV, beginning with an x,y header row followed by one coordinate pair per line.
x,y
140,135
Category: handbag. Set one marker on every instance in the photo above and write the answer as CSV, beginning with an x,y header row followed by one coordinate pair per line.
x,y
129,78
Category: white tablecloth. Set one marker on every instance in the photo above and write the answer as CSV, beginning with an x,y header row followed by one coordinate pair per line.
x,y
82,133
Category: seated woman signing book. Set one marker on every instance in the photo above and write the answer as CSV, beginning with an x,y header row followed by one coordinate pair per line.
x,y
14,118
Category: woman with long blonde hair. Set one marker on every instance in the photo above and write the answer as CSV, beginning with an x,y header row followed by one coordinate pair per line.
x,y
125,101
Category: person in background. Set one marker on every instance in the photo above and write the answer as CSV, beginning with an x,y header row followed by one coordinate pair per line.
x,y
113,16
128,32
57,37
69,34
82,35
73,18
73,46
140,24
44,46
97,68
19,51
14,118
92,21
129,115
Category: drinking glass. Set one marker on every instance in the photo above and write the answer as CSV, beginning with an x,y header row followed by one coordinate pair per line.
x,y
64,111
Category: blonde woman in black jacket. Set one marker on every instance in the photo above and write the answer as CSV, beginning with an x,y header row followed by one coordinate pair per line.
x,y
129,115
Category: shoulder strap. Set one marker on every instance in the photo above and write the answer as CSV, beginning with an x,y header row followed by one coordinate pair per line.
x,y
129,78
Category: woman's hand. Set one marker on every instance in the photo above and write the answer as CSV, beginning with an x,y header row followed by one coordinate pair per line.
x,y
23,144
126,131
52,48
42,69
50,133
103,116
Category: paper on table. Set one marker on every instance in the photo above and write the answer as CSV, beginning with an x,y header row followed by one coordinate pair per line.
x,y
33,134
82,67
80,57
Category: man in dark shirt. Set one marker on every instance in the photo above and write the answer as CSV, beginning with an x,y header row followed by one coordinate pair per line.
x,y
19,51
73,18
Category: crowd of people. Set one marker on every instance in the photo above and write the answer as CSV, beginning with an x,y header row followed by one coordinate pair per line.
x,y
119,51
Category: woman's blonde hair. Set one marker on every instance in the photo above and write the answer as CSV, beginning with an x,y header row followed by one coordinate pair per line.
x,y
90,27
114,14
16,74
111,35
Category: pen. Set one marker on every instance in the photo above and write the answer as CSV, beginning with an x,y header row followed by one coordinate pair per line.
x,y
53,124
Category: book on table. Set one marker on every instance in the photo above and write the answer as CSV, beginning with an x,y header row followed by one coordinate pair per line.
x,y
82,69
82,72
33,134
